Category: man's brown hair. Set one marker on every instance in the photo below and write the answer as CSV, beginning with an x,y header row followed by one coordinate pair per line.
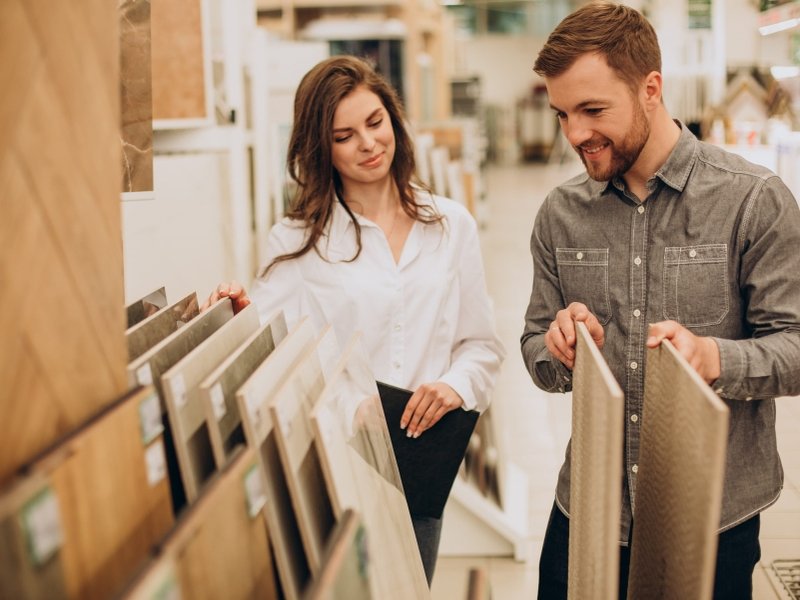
x,y
619,33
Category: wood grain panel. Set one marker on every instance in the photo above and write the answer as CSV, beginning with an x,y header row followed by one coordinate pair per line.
x,y
179,88
598,413
60,238
109,483
679,490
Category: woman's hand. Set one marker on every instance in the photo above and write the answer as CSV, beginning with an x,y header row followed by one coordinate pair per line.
x,y
427,405
232,290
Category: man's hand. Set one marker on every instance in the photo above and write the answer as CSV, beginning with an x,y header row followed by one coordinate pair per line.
x,y
231,290
561,338
427,405
702,353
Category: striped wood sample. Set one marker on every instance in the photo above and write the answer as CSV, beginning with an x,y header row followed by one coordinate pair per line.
x,y
187,416
108,482
361,473
598,414
254,398
146,306
218,390
60,233
679,492
151,330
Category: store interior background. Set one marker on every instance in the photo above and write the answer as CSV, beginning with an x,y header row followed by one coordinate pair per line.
x,y
466,73
487,137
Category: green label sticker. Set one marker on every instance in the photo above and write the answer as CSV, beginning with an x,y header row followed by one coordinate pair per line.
x,y
41,522
254,490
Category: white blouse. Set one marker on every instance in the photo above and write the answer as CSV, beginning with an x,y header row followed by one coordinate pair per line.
x,y
426,318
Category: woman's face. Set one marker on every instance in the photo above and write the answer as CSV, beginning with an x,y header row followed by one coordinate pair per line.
x,y
363,139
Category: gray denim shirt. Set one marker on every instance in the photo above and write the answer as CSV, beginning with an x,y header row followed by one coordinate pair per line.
x,y
716,247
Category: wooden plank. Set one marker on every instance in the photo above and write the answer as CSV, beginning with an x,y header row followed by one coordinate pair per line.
x,y
290,411
361,473
60,235
598,415
146,306
220,547
185,409
679,491
103,503
218,390
345,564
253,399
158,326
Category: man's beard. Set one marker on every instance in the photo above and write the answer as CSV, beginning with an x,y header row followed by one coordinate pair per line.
x,y
623,155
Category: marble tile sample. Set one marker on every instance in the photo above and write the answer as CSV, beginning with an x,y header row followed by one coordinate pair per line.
x,y
345,575
218,389
598,415
185,409
151,330
290,411
679,490
136,97
253,399
361,473
146,306
94,505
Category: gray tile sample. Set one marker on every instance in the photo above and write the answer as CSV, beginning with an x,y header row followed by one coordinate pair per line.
x,y
185,407
153,329
361,473
146,306
218,389
598,413
679,490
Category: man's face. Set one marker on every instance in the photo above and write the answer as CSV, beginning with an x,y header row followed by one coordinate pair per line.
x,y
599,115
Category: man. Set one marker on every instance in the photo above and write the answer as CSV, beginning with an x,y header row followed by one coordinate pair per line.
x,y
668,230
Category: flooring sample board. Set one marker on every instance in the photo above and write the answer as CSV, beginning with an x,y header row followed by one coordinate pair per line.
x,y
345,564
150,366
290,411
679,492
136,131
253,399
156,327
361,473
60,231
428,464
158,580
220,547
185,408
146,306
91,508
218,390
598,416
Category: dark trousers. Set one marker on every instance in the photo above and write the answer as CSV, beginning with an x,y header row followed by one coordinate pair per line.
x,y
737,555
428,531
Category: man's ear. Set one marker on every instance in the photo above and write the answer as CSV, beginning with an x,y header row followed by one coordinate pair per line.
x,y
652,89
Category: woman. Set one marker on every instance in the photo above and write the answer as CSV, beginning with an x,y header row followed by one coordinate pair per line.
x,y
364,249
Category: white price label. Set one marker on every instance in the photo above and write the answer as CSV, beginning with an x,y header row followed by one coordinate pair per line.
x,y
41,521
254,491
150,421
218,402
144,374
179,391
155,463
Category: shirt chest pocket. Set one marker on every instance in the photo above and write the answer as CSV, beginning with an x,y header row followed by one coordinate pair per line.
x,y
696,284
583,274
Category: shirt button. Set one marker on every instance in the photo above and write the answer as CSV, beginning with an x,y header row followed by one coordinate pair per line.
x,y
635,468
634,365
637,261
396,364
692,252
579,255
634,418
397,327
637,313
640,209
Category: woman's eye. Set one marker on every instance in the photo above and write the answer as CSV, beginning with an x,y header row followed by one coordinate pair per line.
x,y
342,139
376,123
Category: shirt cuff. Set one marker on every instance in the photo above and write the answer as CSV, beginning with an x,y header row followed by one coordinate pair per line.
x,y
731,361
462,387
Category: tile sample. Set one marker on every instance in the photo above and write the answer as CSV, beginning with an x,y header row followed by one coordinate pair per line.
x,y
253,399
146,306
185,408
149,331
290,411
679,490
60,233
218,389
598,414
361,473
92,508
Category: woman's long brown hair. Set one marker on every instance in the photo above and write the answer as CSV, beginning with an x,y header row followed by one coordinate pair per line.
x,y
310,148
